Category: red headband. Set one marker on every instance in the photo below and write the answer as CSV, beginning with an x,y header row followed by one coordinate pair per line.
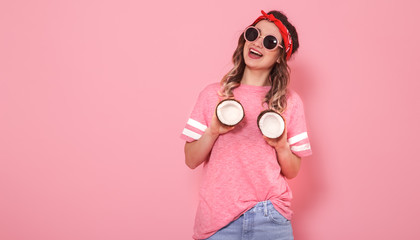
x,y
283,31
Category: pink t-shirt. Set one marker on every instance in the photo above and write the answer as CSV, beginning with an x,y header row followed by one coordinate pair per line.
x,y
242,169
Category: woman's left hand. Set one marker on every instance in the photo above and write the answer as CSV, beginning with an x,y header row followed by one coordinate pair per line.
x,y
280,142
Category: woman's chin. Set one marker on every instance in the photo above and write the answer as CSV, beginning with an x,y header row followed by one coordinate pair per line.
x,y
255,66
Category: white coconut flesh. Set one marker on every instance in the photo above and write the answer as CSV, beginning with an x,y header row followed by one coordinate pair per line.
x,y
271,125
230,112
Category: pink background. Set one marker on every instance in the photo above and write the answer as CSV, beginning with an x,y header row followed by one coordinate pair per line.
x,y
94,95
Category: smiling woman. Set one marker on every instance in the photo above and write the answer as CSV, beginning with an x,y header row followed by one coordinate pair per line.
x,y
246,171
256,49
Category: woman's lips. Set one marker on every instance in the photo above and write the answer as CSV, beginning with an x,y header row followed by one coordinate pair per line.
x,y
254,55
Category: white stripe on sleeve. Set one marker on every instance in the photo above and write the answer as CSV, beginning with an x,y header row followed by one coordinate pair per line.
x,y
196,124
298,138
191,134
300,148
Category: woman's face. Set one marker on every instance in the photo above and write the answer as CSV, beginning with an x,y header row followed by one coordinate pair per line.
x,y
268,57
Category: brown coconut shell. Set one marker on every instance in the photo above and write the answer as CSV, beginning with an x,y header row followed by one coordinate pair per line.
x,y
269,111
219,118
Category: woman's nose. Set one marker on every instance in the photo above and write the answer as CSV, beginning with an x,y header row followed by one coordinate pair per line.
x,y
259,41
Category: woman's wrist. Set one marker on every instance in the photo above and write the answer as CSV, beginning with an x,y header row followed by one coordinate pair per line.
x,y
212,132
283,147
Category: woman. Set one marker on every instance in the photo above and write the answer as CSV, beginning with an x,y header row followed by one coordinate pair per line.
x,y
244,194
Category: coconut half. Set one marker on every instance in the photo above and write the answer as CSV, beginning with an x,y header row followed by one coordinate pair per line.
x,y
230,112
271,124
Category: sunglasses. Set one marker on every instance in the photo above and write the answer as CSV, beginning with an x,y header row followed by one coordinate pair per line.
x,y
270,42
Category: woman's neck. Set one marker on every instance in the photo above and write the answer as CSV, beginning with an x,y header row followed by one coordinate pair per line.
x,y
255,77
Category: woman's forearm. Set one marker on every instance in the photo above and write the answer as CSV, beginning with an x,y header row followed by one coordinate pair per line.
x,y
289,162
199,151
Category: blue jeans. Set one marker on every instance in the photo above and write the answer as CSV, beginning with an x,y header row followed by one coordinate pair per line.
x,y
262,222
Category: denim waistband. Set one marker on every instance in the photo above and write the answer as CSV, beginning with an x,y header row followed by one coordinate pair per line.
x,y
263,205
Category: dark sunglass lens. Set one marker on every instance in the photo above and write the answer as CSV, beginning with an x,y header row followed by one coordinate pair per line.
x,y
251,34
270,42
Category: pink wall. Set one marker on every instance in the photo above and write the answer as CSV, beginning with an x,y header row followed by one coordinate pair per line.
x,y
94,94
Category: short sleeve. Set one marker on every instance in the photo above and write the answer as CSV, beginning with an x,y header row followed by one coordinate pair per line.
x,y
198,121
297,134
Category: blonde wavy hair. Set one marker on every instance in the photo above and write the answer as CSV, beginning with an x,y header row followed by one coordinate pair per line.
x,y
279,76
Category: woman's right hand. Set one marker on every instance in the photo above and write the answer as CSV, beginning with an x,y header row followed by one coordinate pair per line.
x,y
216,127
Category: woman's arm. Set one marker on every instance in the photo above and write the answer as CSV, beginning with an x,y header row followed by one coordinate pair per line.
x,y
289,162
199,151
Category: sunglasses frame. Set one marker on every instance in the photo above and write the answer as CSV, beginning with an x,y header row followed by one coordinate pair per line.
x,y
260,35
